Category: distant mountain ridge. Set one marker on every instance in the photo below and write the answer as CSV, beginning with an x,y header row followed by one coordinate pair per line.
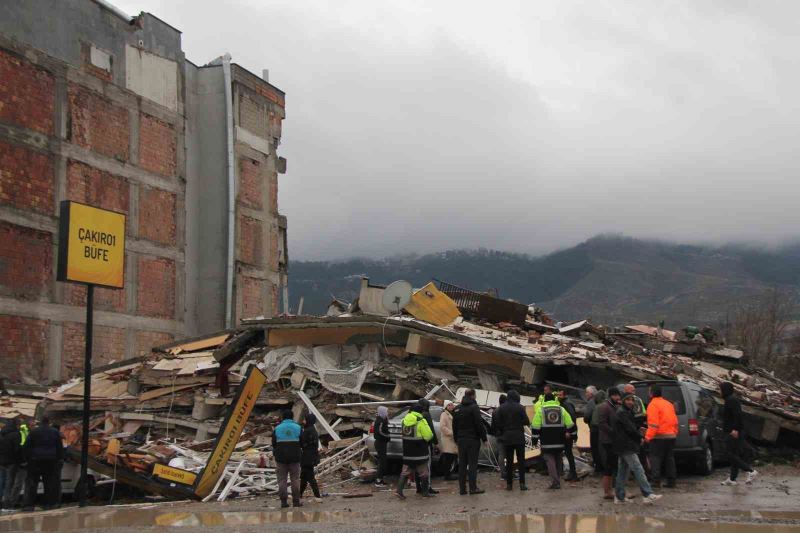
x,y
610,279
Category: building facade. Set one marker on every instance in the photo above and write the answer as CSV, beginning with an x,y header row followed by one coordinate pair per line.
x,y
102,108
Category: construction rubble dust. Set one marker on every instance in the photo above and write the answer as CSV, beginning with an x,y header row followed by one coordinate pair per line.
x,y
155,419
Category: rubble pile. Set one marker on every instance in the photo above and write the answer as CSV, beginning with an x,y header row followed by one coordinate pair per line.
x,y
161,414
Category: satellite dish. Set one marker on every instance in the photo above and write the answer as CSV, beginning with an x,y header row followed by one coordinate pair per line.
x,y
396,296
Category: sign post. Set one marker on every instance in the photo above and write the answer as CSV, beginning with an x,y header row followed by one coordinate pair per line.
x,y
91,251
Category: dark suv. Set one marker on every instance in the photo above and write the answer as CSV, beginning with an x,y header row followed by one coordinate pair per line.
x,y
700,438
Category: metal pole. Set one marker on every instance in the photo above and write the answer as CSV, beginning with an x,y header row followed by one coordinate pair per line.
x,y
87,395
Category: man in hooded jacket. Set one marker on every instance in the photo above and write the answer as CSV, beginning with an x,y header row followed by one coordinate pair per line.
x,y
309,445
469,430
510,422
10,459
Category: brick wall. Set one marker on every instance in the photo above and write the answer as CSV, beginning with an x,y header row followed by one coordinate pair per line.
x,y
92,186
27,94
157,215
108,346
104,299
26,262
250,241
26,178
157,145
273,193
97,124
253,116
252,297
250,183
146,340
156,290
23,348
274,258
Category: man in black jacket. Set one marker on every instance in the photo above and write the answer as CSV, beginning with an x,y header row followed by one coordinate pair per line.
x,y
568,452
309,445
510,421
425,405
733,429
10,459
627,443
382,437
43,450
607,412
498,437
469,430
287,453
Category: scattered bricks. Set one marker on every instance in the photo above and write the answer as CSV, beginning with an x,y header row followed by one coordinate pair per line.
x,y
23,348
97,124
250,241
252,297
459,327
26,179
534,336
104,299
26,262
250,180
253,117
108,346
27,94
157,145
157,215
514,342
156,290
96,187
147,340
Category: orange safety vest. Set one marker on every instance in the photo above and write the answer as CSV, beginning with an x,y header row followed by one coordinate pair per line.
x,y
662,422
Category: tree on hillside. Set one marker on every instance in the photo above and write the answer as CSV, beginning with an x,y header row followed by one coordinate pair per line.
x,y
758,325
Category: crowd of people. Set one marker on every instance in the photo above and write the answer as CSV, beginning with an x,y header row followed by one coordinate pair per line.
x,y
626,438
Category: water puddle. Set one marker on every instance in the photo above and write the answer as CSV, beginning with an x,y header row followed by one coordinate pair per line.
x,y
760,515
116,518
528,523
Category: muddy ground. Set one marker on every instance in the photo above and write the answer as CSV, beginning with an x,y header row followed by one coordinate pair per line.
x,y
771,504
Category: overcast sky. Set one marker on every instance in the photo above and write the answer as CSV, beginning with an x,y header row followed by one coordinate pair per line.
x,y
419,126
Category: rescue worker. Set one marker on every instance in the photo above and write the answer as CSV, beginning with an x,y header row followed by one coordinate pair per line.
x,y
448,445
417,435
607,413
15,485
382,438
309,458
511,421
470,431
733,429
287,453
662,432
546,389
553,426
568,451
640,416
498,437
43,450
10,460
627,441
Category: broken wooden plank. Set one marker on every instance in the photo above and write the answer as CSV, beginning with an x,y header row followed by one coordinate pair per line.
x,y
320,418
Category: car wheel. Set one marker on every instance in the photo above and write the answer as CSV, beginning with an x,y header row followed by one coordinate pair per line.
x,y
705,460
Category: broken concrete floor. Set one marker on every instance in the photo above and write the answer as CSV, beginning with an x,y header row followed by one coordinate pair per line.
x,y
699,504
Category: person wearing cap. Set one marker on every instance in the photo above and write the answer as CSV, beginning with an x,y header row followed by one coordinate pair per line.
x,y
469,430
661,434
733,429
309,444
553,426
627,442
43,450
287,453
607,413
382,437
416,452
510,421
448,445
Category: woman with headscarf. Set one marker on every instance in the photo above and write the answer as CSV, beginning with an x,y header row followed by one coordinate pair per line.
x,y
382,438
309,444
448,445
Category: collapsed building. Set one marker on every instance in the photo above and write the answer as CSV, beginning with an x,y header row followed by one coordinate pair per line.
x,y
169,407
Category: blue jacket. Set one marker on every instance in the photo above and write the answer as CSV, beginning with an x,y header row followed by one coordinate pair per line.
x,y
286,442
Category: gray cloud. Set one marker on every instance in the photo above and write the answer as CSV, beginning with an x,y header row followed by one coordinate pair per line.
x,y
426,126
